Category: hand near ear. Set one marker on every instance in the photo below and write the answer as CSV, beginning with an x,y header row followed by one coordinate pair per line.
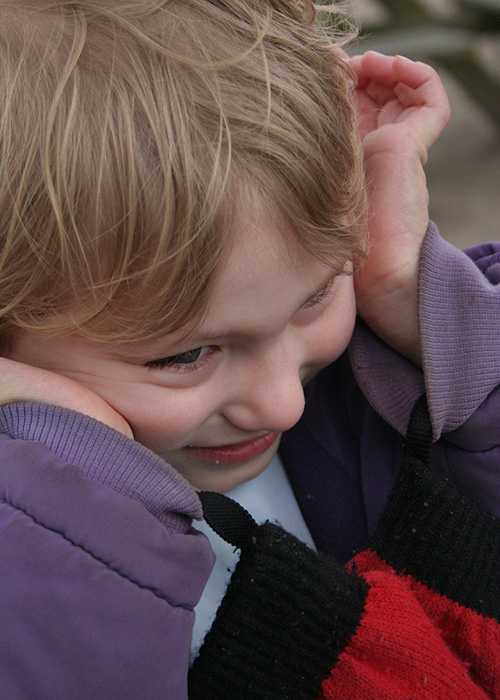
x,y
22,382
402,109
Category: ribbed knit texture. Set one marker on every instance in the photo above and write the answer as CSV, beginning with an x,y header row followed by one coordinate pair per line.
x,y
414,616
279,587
458,298
104,455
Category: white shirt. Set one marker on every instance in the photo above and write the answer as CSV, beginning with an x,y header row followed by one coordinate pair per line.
x,y
268,496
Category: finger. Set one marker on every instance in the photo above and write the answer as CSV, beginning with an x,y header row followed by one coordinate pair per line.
x,y
379,67
424,99
419,84
416,86
413,73
356,63
379,93
376,75
391,70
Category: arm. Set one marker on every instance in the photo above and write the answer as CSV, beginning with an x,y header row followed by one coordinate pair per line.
x,y
446,309
100,570
458,315
479,435
459,307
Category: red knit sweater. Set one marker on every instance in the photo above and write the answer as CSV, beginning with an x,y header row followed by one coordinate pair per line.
x,y
412,617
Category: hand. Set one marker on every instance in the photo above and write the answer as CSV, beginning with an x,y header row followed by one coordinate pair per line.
x,y
402,109
22,382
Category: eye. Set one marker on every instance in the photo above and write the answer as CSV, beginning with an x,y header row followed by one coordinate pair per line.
x,y
183,361
320,296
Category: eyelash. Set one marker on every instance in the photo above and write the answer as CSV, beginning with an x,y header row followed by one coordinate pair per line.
x,y
170,362
196,364
320,297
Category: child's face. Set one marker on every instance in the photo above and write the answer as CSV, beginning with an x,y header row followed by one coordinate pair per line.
x,y
215,406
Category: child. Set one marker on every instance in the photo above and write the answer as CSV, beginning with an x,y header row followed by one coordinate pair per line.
x,y
184,207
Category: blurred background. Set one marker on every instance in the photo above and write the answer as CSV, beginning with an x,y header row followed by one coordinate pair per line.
x,y
461,39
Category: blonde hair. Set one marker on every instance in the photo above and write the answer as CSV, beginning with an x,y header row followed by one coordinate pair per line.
x,y
129,132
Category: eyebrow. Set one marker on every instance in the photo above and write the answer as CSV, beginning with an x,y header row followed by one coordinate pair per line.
x,y
209,333
158,347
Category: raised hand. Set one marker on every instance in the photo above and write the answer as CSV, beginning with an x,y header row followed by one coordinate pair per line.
x,y
402,109
22,382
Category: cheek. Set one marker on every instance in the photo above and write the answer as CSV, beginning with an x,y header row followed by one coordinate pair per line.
x,y
166,419
336,325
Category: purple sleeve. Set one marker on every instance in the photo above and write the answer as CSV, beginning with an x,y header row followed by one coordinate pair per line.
x,y
459,314
96,593
107,456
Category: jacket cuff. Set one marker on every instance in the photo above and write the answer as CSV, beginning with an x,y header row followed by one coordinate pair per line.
x,y
106,456
287,616
459,307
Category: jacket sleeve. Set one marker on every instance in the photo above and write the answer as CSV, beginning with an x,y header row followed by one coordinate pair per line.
x,y
96,594
459,311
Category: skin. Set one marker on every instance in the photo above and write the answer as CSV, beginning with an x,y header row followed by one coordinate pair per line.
x,y
402,109
277,316
253,384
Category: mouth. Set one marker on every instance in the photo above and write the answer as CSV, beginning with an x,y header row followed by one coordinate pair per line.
x,y
232,454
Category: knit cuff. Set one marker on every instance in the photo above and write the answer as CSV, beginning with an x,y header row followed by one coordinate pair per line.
x,y
313,607
106,456
295,625
436,534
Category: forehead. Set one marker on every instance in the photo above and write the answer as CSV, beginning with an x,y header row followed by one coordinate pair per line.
x,y
262,250
262,282
265,277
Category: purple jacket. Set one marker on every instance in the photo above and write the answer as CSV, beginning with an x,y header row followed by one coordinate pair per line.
x,y
99,567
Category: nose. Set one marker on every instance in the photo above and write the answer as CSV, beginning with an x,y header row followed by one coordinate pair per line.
x,y
266,395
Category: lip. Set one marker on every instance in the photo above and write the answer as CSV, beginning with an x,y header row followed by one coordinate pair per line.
x,y
232,454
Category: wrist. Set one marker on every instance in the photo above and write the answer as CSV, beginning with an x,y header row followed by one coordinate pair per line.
x,y
392,314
